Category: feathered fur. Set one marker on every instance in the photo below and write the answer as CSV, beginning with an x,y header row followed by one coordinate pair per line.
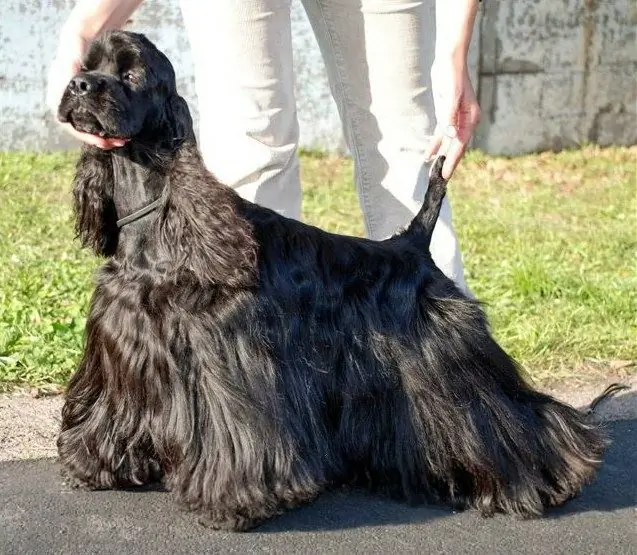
x,y
250,361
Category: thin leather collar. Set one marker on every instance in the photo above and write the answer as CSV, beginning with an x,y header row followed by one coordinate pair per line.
x,y
140,213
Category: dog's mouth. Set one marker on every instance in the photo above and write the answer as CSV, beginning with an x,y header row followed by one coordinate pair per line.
x,y
84,120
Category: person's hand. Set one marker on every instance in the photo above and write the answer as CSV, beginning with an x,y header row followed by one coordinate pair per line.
x,y
457,113
68,63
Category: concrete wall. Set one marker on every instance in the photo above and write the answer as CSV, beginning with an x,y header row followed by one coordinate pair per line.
x,y
28,39
550,73
556,73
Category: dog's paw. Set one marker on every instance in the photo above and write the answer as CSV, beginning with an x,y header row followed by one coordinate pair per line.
x,y
76,482
231,522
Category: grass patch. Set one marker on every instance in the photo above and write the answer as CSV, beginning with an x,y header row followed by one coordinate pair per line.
x,y
549,243
45,279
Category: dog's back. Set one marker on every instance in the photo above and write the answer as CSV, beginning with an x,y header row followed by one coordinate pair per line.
x,y
422,226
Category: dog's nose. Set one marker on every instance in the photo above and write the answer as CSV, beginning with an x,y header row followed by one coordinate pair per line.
x,y
83,84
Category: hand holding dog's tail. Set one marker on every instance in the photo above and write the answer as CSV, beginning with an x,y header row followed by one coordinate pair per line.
x,y
422,226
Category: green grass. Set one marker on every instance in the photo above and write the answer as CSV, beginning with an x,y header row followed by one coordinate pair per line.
x,y
549,241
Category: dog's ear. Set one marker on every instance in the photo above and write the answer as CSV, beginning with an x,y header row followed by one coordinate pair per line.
x,y
95,214
178,117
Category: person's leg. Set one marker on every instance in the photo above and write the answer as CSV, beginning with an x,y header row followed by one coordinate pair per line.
x,y
248,129
379,54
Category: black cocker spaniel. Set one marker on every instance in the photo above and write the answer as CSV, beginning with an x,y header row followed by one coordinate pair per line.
x,y
250,361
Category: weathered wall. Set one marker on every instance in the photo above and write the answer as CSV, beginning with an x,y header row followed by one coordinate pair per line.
x,y
28,39
556,73
551,73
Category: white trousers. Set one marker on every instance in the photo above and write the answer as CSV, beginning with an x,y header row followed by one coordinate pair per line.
x,y
378,55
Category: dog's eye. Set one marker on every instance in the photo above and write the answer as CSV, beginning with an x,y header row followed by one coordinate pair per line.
x,y
129,77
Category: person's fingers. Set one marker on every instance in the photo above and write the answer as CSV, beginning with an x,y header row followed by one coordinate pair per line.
x,y
446,105
450,136
458,147
116,143
66,64
454,155
100,142
59,76
441,140
434,145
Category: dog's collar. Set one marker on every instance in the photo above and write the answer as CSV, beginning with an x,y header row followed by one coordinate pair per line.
x,y
140,213
153,205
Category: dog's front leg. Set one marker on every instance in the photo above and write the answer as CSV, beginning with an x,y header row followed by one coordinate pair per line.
x,y
244,459
94,455
241,478
104,442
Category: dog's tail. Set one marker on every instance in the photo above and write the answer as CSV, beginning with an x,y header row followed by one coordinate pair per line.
x,y
422,226
610,391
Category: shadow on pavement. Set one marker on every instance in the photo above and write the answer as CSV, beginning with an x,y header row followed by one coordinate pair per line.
x,y
39,514
614,488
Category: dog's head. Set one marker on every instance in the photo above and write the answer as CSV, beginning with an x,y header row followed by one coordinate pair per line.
x,y
126,89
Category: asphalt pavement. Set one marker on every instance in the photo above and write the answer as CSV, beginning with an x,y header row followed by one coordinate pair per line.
x,y
39,514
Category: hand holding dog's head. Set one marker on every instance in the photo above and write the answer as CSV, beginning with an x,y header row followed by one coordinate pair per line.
x,y
126,89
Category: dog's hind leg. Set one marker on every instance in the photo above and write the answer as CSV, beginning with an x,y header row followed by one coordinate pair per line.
x,y
487,439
